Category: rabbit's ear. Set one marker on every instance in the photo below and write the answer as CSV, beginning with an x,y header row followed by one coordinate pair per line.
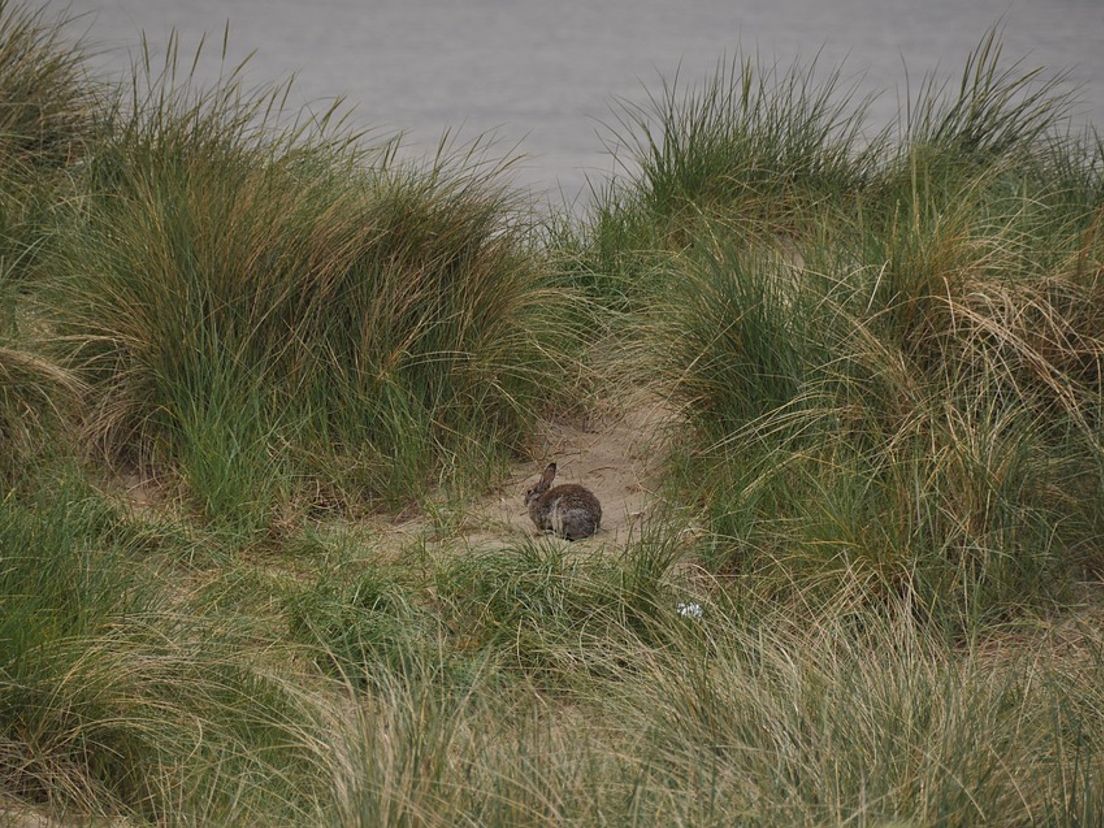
x,y
548,476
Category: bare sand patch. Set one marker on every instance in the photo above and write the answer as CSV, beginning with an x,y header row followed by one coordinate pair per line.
x,y
614,456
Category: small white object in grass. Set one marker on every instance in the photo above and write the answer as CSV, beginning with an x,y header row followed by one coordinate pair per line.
x,y
689,610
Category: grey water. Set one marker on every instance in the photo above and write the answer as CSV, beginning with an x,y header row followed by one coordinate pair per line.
x,y
542,74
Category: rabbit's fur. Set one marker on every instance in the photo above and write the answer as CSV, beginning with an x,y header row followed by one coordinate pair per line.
x,y
569,511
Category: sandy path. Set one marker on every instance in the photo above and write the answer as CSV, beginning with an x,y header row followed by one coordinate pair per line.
x,y
614,458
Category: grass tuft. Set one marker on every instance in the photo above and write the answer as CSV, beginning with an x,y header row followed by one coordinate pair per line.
x,y
273,311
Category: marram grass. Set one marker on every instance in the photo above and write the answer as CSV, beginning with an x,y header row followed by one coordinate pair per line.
x,y
900,396
887,360
779,727
267,311
502,712
50,101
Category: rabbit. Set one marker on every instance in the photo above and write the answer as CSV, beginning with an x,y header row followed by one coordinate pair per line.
x,y
569,511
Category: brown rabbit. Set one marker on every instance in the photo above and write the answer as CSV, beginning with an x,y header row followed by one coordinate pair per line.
x,y
569,511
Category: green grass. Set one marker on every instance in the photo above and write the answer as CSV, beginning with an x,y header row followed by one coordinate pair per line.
x,y
50,103
757,142
115,699
35,395
779,727
845,447
883,347
898,396
537,695
49,118
270,311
